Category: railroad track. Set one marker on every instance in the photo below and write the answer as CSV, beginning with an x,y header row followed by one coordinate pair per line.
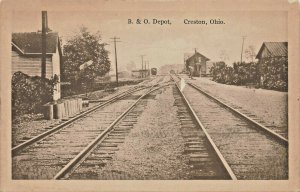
x,y
251,150
57,153
275,132
205,159
65,122
102,152
205,163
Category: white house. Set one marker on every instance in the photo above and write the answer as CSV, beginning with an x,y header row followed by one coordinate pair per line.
x,y
27,52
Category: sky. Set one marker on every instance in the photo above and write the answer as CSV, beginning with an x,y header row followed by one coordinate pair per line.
x,y
165,44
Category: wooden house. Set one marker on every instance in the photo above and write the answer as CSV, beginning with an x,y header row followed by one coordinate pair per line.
x,y
198,63
27,53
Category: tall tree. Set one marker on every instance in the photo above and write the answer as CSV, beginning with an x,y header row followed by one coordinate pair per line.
x,y
85,58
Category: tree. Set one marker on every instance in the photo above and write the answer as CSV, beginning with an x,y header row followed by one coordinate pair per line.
x,y
84,47
250,53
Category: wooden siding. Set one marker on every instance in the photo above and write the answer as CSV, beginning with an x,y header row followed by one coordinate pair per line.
x,y
30,65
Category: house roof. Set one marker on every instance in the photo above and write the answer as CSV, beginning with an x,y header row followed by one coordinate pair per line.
x,y
31,43
197,54
187,55
276,49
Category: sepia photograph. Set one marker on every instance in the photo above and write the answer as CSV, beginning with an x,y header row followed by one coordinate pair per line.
x,y
116,92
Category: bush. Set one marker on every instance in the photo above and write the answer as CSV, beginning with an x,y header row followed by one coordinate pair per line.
x,y
30,93
274,72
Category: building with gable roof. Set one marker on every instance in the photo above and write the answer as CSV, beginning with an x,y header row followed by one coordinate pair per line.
x,y
271,50
27,53
198,63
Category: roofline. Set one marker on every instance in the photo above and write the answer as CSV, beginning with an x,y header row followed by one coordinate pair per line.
x,y
207,59
260,50
263,44
17,47
28,53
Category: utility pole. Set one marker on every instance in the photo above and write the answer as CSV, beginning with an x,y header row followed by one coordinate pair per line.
x,y
244,37
148,69
146,64
145,68
116,60
44,43
142,56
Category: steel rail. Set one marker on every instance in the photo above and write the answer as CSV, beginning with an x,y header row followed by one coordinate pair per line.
x,y
235,111
219,154
41,136
92,145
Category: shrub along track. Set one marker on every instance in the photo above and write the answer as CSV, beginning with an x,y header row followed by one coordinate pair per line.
x,y
251,150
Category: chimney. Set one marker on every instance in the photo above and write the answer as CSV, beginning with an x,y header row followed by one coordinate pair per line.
x,y
44,46
44,20
195,50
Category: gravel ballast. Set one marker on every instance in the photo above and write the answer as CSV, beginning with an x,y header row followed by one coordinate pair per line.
x,y
153,149
270,107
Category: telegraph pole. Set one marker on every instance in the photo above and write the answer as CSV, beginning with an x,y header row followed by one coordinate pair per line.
x,y
116,60
146,72
145,68
149,69
244,37
142,56
146,64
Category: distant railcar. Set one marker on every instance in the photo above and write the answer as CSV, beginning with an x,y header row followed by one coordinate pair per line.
x,y
153,71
